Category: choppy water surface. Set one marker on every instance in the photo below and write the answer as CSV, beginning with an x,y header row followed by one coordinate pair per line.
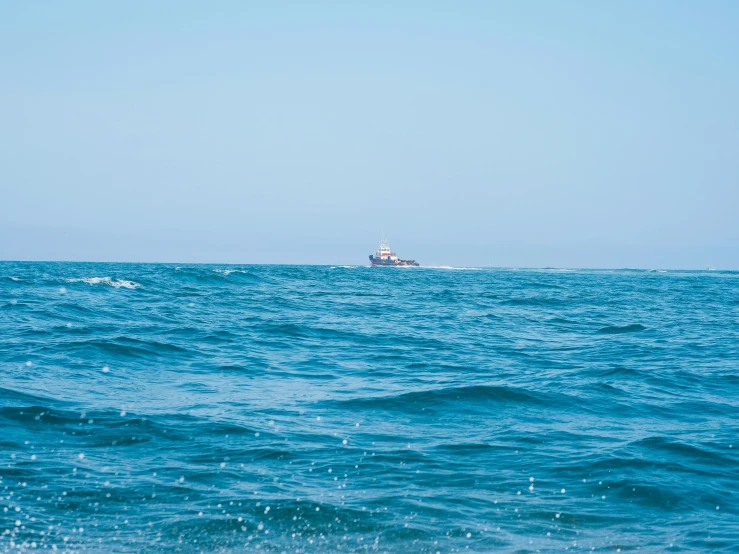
x,y
348,409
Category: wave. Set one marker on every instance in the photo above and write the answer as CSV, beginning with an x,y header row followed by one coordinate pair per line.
x,y
229,271
452,268
618,371
616,329
535,301
9,394
122,347
428,399
216,275
116,283
683,451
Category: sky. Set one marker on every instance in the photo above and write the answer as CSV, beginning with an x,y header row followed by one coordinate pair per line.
x,y
507,134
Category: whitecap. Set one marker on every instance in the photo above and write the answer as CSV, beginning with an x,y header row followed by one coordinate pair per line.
x,y
229,271
452,268
117,283
547,269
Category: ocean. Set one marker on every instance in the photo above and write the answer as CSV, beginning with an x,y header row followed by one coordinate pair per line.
x,y
319,409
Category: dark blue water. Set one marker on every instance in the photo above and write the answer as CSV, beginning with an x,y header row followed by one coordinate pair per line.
x,y
148,408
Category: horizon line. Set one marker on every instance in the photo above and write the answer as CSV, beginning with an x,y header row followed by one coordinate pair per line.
x,y
338,264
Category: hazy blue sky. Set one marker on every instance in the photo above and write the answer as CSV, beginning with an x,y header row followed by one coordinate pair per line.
x,y
551,133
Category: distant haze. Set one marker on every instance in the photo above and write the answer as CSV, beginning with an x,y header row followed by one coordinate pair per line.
x,y
569,134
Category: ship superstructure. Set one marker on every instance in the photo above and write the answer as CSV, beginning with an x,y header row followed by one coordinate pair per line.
x,y
385,257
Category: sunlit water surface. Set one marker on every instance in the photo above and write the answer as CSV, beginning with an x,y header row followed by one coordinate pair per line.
x,y
163,408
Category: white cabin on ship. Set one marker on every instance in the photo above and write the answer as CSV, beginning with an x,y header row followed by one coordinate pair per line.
x,y
383,252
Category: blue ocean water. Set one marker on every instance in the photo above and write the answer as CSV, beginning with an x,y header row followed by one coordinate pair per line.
x,y
198,408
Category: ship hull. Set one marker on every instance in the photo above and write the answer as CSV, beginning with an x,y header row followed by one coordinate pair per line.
x,y
378,262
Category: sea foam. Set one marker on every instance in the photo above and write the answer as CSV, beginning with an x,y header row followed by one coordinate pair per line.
x,y
117,283
229,271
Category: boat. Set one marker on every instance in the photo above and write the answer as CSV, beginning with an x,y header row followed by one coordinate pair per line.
x,y
385,257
